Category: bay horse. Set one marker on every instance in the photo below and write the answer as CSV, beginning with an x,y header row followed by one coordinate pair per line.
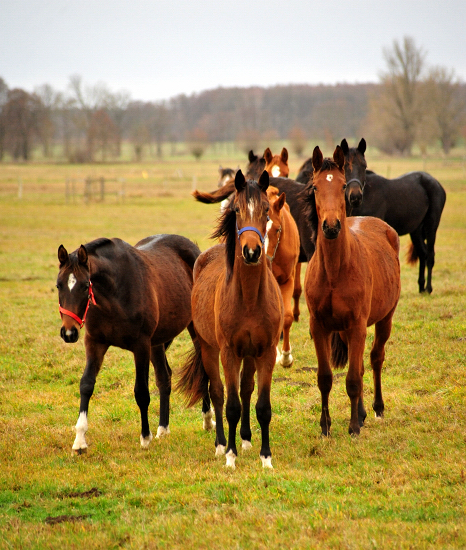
x,y
352,281
237,314
277,165
135,298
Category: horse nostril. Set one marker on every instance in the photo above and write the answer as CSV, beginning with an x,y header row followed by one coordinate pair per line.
x,y
70,336
251,256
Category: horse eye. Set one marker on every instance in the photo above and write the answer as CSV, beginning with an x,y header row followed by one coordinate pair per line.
x,y
344,186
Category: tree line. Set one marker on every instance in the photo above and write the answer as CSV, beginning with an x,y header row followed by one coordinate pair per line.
x,y
412,104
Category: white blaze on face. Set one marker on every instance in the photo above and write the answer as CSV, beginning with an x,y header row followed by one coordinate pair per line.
x,y
251,208
267,229
329,177
71,281
276,171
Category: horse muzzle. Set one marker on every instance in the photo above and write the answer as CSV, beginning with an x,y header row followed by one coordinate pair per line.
x,y
69,335
252,256
331,231
355,199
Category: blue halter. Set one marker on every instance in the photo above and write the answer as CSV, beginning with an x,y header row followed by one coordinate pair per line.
x,y
250,228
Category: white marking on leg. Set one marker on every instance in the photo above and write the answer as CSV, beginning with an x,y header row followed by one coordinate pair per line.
x,y
71,281
267,462
246,445
286,359
231,457
277,357
276,171
162,432
207,422
81,428
145,441
220,450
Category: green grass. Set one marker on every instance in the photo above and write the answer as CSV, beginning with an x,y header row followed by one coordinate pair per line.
x,y
400,484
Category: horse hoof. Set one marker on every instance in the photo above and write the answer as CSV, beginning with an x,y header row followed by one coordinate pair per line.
x,y
231,457
354,431
207,423
220,450
267,462
286,359
145,441
162,432
80,451
245,445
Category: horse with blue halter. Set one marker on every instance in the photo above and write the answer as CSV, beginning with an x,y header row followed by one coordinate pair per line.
x,y
135,298
352,281
238,315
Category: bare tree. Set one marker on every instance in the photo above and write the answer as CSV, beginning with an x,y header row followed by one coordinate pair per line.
x,y
298,140
20,116
197,142
3,100
50,100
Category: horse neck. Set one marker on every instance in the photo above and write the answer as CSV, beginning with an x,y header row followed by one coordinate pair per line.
x,y
249,280
334,255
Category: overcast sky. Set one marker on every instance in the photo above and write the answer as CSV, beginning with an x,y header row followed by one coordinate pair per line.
x,y
156,49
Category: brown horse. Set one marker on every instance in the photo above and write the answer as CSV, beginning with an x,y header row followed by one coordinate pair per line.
x,y
237,313
282,248
135,298
277,165
352,281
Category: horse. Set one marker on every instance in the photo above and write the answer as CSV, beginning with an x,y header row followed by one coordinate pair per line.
x,y
277,165
282,249
412,204
226,175
135,298
255,167
352,281
355,171
237,314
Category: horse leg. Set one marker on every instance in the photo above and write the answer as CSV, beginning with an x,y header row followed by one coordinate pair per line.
x,y
142,357
263,407
286,359
297,290
163,377
324,372
95,353
211,366
430,226
382,333
362,415
354,385
207,412
247,387
231,368
420,247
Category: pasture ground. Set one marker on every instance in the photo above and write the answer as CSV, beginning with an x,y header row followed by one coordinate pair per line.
x,y
400,484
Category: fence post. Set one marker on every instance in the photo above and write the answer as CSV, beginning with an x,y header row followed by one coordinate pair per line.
x,y
87,190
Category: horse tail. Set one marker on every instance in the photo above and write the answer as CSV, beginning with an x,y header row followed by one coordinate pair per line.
x,y
193,381
411,255
339,351
215,196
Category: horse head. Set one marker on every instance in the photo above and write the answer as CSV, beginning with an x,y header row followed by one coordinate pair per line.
x,y
355,172
274,225
251,207
277,165
255,167
74,291
225,175
329,185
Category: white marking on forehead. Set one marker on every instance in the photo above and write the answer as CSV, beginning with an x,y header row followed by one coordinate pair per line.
x,y
251,207
276,171
329,177
71,281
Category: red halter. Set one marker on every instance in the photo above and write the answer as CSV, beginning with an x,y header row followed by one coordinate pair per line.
x,y
73,315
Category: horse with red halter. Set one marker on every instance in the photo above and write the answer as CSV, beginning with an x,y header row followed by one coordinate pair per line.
x,y
237,314
135,298
282,249
352,281
277,165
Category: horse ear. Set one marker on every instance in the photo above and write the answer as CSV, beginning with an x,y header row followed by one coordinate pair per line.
x,y
251,156
82,255
240,181
280,202
339,157
284,155
264,181
317,159
362,146
268,155
344,146
62,255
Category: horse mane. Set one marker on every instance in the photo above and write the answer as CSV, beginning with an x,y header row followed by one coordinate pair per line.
x,y
226,224
93,246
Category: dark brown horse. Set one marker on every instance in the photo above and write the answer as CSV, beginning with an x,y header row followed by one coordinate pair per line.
x,y
135,298
237,314
352,281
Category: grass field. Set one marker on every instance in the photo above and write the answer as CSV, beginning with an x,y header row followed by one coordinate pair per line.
x,y
400,484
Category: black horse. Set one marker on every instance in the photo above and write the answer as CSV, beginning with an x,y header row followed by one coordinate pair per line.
x,y
135,298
